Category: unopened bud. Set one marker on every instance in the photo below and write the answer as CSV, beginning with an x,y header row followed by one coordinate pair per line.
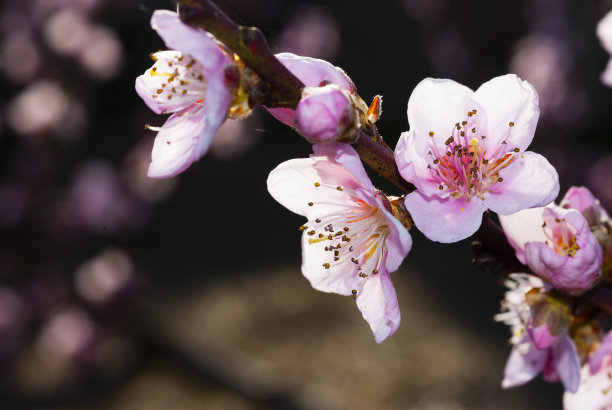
x,y
550,317
326,114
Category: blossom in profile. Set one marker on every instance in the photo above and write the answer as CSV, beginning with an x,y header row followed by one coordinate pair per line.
x,y
351,241
326,114
313,72
466,153
604,32
595,388
557,243
195,81
541,342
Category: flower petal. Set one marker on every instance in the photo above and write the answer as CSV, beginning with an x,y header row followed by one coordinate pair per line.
x,y
567,364
529,181
398,243
444,220
377,302
522,227
604,350
593,393
412,164
521,368
346,156
435,106
508,99
313,73
175,146
195,42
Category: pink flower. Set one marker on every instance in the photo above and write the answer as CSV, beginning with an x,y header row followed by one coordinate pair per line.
x,y
326,114
313,73
465,153
582,200
557,244
595,391
604,32
351,242
194,82
553,355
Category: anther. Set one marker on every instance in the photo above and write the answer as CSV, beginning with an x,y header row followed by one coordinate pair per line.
x,y
159,91
511,124
339,188
346,229
317,184
500,179
375,271
485,161
436,161
449,140
311,233
441,188
310,204
474,130
354,292
516,150
317,220
431,133
326,265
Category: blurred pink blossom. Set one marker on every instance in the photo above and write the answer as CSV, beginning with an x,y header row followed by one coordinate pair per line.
x,y
67,334
102,278
311,31
20,58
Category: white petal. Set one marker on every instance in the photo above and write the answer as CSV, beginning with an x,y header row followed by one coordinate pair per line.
x,y
522,227
435,106
521,368
508,99
179,36
377,302
175,144
529,181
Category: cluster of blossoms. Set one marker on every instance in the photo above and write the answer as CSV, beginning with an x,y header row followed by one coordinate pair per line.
x,y
465,154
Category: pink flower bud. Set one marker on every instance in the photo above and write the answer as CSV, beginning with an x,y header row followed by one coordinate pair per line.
x,y
326,114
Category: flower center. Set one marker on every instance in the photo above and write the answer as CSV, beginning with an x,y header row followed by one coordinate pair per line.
x,y
179,76
356,234
465,169
561,236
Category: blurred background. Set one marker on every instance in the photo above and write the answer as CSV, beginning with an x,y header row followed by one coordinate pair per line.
x,y
122,292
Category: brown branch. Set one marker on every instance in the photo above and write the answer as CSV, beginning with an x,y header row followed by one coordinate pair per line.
x,y
249,44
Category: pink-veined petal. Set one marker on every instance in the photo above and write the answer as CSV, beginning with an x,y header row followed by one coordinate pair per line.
x,y
508,99
346,156
527,182
521,368
567,363
412,165
444,220
377,302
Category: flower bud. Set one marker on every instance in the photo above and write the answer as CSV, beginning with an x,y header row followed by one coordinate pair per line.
x,y
326,114
550,318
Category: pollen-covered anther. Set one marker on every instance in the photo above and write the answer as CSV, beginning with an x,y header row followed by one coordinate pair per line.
x,y
354,293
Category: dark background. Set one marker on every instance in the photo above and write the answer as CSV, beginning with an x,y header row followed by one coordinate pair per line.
x,y
117,291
